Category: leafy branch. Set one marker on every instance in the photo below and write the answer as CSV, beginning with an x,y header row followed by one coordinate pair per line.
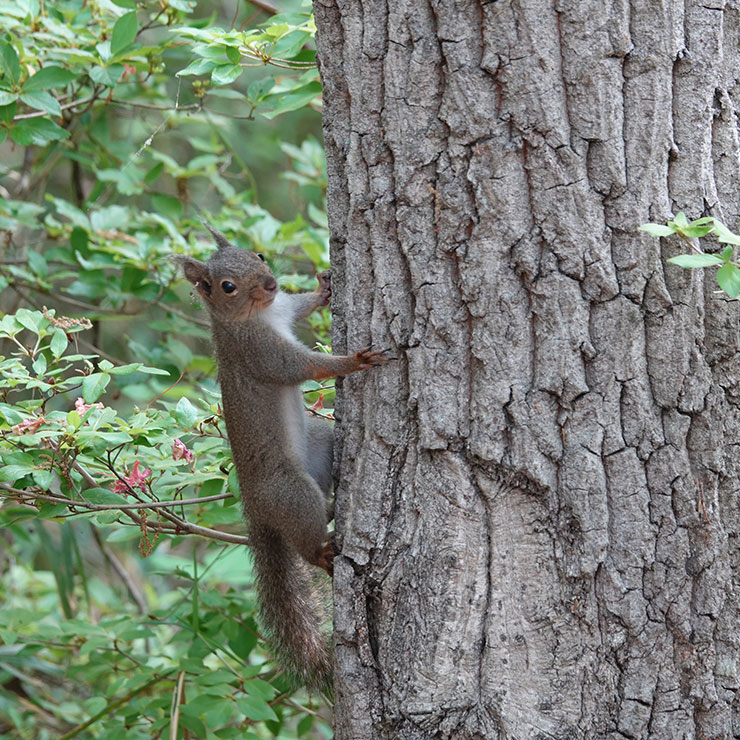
x,y
728,274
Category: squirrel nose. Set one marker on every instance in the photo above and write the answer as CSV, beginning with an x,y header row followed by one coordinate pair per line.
x,y
269,283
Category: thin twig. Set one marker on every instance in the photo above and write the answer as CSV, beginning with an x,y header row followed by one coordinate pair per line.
x,y
175,524
114,705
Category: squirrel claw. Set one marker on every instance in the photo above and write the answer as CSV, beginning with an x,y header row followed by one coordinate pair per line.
x,y
368,358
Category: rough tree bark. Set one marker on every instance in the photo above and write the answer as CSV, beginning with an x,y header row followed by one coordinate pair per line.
x,y
538,508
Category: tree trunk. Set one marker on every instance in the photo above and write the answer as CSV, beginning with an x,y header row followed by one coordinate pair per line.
x,y
538,506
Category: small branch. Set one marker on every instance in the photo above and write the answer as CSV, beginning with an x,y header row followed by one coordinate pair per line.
x,y
265,5
177,697
113,507
175,524
66,106
114,705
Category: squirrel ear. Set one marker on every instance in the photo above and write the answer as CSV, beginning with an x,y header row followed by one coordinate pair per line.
x,y
221,240
194,271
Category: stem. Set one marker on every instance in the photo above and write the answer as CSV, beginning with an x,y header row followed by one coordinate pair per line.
x,y
114,705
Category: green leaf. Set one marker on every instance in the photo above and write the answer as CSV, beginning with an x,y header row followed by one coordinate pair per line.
x,y
185,413
696,260
58,343
47,78
153,370
726,254
37,131
293,100
42,101
658,230
12,473
124,369
304,726
224,74
259,88
29,319
102,496
124,32
724,235
167,205
39,365
9,63
728,278
680,221
255,708
694,230
93,386
7,97
198,67
262,689
107,75
43,478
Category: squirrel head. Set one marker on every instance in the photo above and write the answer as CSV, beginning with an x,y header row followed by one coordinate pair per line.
x,y
234,283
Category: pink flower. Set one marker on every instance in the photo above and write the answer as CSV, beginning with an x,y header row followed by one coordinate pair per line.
x,y
136,478
28,425
180,451
81,407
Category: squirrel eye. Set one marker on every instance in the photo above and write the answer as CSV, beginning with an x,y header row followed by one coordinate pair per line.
x,y
228,287
261,256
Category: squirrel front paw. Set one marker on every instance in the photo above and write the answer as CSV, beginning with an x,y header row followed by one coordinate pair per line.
x,y
367,358
324,288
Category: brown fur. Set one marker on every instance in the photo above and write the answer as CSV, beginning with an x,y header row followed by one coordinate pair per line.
x,y
283,462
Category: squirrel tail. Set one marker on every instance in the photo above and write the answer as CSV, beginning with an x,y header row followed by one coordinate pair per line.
x,y
290,608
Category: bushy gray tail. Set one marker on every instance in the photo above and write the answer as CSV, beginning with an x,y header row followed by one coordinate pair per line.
x,y
291,610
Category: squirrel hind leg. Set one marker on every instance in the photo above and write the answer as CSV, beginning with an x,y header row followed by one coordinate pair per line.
x,y
298,513
319,452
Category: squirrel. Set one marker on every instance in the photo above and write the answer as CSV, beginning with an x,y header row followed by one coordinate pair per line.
x,y
283,457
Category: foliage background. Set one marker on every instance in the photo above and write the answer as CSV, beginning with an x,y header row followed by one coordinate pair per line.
x,y
139,622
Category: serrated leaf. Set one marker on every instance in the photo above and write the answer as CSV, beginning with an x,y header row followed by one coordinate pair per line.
x,y
728,278
696,260
47,78
657,230
124,32
93,386
42,101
